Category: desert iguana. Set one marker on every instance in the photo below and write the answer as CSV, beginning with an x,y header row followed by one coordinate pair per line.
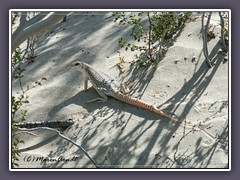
x,y
108,86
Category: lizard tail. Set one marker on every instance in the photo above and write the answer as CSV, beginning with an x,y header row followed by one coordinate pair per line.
x,y
157,111
140,104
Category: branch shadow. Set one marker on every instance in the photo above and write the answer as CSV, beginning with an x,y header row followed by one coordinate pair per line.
x,y
204,157
196,85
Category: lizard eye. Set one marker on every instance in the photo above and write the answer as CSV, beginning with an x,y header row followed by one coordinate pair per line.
x,y
77,64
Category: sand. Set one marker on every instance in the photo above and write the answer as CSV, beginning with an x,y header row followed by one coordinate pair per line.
x,y
114,134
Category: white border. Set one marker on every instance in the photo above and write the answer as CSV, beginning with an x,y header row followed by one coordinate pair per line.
x,y
126,10
229,89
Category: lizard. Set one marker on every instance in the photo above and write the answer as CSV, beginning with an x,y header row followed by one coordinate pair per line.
x,y
106,85
52,124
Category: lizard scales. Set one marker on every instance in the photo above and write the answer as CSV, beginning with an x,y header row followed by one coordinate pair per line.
x,y
52,124
105,85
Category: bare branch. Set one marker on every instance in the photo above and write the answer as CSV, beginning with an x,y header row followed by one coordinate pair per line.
x,y
37,18
21,26
205,38
23,19
150,36
21,35
222,32
62,136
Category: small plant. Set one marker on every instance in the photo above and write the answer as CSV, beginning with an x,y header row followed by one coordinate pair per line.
x,y
161,27
31,46
225,28
16,57
15,15
17,103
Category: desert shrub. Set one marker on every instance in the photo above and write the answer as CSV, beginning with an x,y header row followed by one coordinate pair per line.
x,y
151,30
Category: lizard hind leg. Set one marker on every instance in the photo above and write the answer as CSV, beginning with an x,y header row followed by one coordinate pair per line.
x,y
127,89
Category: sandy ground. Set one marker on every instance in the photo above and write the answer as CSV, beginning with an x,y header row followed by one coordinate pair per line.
x,y
114,134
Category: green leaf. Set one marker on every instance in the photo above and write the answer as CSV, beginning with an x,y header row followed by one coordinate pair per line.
x,y
21,141
15,164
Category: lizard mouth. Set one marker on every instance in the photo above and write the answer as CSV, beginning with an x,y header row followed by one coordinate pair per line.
x,y
72,66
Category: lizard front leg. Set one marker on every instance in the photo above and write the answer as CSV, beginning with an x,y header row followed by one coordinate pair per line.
x,y
86,83
104,97
101,99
